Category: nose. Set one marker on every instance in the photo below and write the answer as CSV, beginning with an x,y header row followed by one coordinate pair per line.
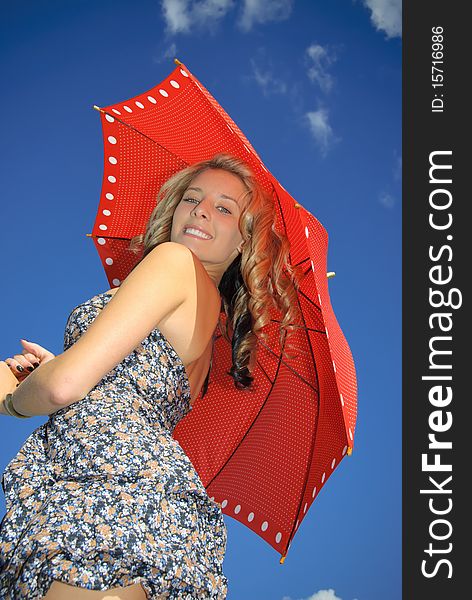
x,y
201,209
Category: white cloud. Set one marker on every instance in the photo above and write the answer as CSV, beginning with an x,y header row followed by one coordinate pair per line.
x,y
262,11
176,15
211,10
266,80
386,15
324,595
387,200
323,133
320,61
181,16
321,595
171,53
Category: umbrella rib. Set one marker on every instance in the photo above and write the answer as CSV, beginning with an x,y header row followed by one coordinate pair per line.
x,y
111,237
247,430
299,291
304,328
206,93
305,274
147,137
313,442
309,300
317,396
301,262
281,360
265,372
274,191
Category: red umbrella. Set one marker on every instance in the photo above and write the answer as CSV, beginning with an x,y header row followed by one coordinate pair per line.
x,y
265,453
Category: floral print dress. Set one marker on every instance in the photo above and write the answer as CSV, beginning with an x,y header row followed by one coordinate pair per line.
x,y
102,495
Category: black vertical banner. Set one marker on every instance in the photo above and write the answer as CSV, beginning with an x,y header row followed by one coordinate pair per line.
x,y
437,356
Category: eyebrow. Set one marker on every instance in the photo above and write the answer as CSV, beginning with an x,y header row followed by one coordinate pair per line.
x,y
221,195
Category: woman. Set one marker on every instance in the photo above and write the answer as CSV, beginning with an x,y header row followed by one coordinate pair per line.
x,y
102,502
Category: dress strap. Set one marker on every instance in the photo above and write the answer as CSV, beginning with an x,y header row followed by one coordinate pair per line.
x,y
207,378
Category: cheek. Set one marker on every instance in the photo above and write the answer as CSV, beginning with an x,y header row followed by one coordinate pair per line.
x,y
234,236
237,235
176,219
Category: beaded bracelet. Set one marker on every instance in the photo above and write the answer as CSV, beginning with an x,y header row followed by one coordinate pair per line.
x,y
8,403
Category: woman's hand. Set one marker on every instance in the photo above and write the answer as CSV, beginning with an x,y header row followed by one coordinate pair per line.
x,y
32,356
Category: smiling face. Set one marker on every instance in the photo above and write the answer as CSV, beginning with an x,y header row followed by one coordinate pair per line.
x,y
206,219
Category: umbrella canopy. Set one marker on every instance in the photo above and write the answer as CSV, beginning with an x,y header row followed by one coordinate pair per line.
x,y
265,453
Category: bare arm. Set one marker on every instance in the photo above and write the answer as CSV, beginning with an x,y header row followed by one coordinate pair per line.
x,y
150,293
8,383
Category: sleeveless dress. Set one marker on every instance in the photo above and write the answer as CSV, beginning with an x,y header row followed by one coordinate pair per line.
x,y
102,495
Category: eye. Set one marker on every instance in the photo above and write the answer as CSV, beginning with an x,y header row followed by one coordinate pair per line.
x,y
195,200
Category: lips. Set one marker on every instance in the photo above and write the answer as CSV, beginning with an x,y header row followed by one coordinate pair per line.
x,y
187,227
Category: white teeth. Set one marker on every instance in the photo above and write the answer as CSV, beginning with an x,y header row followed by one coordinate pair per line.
x,y
197,232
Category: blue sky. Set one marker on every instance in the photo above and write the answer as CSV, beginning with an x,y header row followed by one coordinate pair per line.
x,y
316,88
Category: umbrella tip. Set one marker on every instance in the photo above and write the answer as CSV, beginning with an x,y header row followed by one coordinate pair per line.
x,y
349,451
330,274
97,108
88,235
282,559
177,61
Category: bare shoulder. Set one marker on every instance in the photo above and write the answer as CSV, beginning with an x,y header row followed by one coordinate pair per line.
x,y
167,255
189,266
177,254
171,248
168,264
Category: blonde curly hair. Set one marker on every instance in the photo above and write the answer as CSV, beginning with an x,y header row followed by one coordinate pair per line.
x,y
260,276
